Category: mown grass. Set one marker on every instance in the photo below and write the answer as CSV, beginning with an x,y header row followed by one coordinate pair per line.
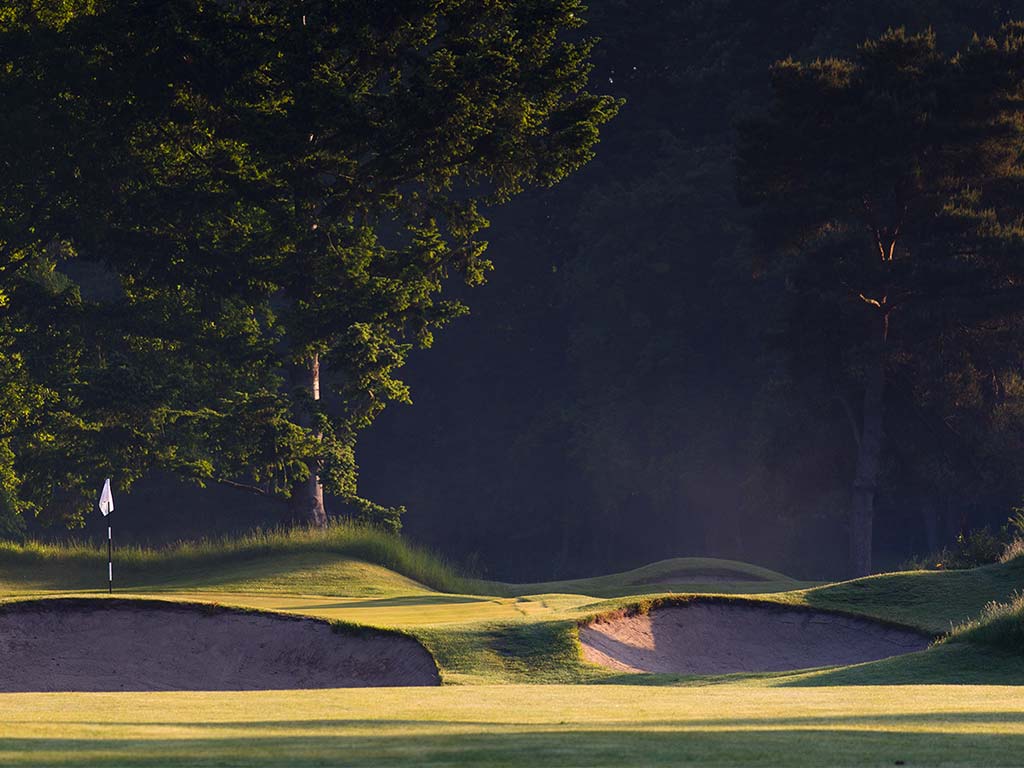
x,y
943,664
700,574
515,725
935,601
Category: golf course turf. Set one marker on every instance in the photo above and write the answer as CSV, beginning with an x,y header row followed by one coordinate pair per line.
x,y
517,689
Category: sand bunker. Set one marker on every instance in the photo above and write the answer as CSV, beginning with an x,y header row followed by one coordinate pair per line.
x,y
115,645
710,638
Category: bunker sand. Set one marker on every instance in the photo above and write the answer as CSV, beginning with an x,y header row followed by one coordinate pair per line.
x,y
714,638
110,645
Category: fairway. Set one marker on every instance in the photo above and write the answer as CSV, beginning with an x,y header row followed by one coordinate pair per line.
x,y
519,724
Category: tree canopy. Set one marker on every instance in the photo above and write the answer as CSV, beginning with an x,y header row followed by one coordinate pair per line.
x,y
886,189
279,193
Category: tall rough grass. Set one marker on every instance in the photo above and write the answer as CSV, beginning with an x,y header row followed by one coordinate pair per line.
x,y
1013,550
1000,625
147,564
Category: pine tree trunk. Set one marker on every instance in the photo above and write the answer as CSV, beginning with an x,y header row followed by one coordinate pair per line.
x,y
306,506
869,454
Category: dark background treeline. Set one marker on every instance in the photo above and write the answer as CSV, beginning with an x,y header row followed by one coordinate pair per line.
x,y
625,389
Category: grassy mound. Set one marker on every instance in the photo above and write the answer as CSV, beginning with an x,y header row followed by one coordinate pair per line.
x,y
932,600
681,574
1000,626
345,559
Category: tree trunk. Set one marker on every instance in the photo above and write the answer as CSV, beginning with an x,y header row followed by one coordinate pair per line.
x,y
869,454
307,502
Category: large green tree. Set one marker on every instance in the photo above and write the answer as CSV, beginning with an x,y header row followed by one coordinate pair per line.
x,y
884,188
314,171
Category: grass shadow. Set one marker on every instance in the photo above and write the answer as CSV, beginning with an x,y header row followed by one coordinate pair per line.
x,y
399,743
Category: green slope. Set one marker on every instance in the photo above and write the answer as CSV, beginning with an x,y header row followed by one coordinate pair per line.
x,y
681,574
346,560
932,600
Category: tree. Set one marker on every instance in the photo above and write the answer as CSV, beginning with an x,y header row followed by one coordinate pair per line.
x,y
874,180
626,348
317,170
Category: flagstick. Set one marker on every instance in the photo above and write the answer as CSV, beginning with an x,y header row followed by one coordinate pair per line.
x,y
110,561
106,506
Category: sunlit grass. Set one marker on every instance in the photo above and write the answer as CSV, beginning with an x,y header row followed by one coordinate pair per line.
x,y
935,601
510,725
1013,550
1000,625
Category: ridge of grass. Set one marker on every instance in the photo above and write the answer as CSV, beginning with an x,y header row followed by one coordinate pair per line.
x,y
702,573
935,601
345,560
1000,626
36,566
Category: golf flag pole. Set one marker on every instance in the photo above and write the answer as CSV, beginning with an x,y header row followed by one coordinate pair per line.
x,y
106,507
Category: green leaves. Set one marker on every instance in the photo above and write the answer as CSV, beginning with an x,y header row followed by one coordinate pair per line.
x,y
266,183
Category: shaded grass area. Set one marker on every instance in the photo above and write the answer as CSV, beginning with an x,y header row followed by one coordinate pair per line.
x,y
543,652
595,747
935,601
1000,626
691,574
943,664
519,725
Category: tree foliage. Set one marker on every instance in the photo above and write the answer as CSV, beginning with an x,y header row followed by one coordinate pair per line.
x,y
654,399
886,189
274,187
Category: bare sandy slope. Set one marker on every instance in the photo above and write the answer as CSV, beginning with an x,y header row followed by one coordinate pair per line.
x,y
101,645
708,638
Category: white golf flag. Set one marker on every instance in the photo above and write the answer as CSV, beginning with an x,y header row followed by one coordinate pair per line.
x,y
106,499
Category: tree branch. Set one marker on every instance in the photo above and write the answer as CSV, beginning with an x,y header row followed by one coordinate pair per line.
x,y
243,487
